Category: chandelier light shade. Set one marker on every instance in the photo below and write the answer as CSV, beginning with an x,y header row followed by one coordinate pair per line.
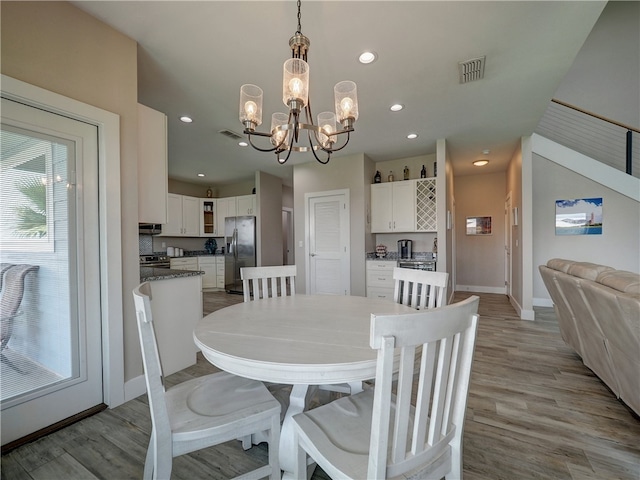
x,y
286,128
251,105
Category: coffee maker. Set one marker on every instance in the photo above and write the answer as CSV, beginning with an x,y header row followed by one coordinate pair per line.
x,y
405,249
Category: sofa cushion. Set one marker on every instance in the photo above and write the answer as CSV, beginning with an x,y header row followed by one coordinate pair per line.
x,y
627,282
588,271
560,264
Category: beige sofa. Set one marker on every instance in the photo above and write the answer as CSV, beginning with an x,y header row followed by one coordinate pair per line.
x,y
598,310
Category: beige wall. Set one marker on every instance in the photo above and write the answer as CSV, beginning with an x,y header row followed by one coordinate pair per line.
x,y
56,46
514,186
617,247
480,258
269,218
190,189
341,173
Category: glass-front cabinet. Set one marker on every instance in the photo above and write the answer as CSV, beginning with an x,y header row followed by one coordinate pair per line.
x,y
208,214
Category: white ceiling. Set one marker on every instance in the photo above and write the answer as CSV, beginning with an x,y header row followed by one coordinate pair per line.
x,y
194,56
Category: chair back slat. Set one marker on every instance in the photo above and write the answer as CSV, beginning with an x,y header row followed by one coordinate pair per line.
x,y
268,282
427,419
151,359
420,289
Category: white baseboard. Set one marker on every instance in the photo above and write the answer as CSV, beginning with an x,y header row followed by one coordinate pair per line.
x,y
134,388
542,302
481,289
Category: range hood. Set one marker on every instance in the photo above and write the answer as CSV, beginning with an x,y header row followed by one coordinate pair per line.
x,y
149,228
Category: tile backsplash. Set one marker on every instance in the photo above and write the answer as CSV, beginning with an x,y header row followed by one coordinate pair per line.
x,y
145,244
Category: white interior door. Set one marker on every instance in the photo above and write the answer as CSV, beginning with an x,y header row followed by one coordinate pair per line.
x,y
328,246
52,363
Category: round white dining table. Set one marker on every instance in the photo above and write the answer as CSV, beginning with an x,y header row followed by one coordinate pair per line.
x,y
300,340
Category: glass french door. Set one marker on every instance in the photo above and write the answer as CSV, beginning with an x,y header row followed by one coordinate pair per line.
x,y
51,358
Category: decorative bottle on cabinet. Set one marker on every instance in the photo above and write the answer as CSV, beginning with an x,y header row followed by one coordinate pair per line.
x,y
406,172
390,177
435,169
423,172
378,177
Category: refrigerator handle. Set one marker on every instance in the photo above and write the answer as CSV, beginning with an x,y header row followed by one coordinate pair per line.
x,y
235,243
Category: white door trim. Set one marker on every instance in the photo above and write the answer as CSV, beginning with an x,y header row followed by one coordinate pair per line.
x,y
307,229
108,125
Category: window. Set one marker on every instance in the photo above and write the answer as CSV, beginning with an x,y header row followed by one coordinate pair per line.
x,y
29,183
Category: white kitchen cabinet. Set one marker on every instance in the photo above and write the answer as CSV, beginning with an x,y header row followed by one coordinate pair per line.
x,y
152,166
380,283
184,263
208,218
393,207
226,207
220,271
183,217
209,267
174,321
246,205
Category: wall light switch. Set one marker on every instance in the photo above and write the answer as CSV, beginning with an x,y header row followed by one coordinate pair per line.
x,y
300,244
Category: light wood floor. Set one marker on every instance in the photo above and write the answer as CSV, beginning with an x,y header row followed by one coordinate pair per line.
x,y
534,411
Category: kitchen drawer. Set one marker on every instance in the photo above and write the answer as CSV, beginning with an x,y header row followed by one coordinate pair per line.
x,y
381,265
380,278
220,281
382,293
220,269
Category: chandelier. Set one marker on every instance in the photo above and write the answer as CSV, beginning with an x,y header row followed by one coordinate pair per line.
x,y
287,128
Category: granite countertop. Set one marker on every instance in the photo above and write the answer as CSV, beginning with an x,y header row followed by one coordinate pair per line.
x,y
393,256
149,274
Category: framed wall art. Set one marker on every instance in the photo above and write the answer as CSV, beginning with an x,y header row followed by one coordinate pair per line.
x,y
580,216
478,225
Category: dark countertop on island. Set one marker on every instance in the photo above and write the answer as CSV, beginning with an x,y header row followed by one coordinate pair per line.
x,y
149,274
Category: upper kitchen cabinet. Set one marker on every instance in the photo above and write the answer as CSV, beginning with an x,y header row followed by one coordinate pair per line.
x,y
393,207
208,218
246,205
152,166
226,207
183,216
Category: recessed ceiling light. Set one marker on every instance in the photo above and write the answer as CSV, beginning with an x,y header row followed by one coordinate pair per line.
x,y
243,144
186,119
367,57
411,136
480,163
396,107
201,174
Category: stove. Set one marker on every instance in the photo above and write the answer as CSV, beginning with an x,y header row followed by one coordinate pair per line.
x,y
156,261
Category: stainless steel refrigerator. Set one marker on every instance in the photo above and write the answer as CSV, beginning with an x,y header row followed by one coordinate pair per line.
x,y
240,239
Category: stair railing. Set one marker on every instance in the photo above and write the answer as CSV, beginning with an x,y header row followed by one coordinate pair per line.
x,y
598,137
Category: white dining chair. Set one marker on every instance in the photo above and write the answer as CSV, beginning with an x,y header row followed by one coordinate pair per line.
x,y
381,434
420,289
201,412
268,282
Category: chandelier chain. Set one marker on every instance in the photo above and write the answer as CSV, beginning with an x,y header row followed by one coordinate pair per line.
x,y
299,17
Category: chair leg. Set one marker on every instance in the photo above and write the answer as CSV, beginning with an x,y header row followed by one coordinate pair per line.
x,y
274,448
300,465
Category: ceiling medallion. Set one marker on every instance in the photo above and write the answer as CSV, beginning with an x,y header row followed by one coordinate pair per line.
x,y
287,127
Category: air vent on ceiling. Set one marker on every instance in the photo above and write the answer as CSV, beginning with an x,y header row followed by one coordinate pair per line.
x,y
471,70
230,134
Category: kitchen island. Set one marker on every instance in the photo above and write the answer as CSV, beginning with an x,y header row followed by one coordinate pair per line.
x,y
176,306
